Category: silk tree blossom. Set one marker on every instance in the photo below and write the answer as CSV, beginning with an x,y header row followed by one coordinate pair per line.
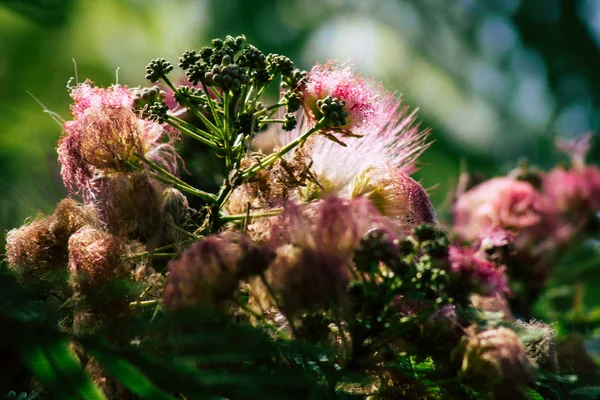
x,y
106,136
502,202
365,102
398,143
376,165
576,190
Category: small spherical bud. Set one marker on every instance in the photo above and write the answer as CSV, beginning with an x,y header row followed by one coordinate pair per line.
x,y
374,247
332,109
159,112
293,101
279,64
188,59
198,72
252,58
290,122
157,68
206,53
425,232
247,123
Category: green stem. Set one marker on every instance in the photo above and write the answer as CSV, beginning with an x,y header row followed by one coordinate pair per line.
x,y
162,248
177,124
211,104
271,159
271,293
192,107
266,110
173,180
267,121
237,217
191,236
226,132
164,255
144,303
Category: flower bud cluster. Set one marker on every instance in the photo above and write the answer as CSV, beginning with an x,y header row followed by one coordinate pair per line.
x,y
537,213
332,109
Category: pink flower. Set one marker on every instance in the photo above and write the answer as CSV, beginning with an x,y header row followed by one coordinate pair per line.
x,y
205,274
367,105
106,136
313,246
395,144
502,202
333,226
576,191
472,267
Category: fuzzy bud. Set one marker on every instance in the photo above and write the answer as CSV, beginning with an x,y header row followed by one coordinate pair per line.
x,y
130,205
314,247
175,204
472,268
208,272
540,342
41,245
495,361
397,196
107,136
95,258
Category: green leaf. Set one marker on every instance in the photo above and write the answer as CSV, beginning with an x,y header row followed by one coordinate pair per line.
x,y
533,395
587,391
56,365
130,376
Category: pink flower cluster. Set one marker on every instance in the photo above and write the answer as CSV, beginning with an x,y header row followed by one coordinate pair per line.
x,y
473,266
502,203
106,136
377,163
537,217
576,190
364,104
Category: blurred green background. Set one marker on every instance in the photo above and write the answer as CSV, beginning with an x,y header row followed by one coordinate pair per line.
x,y
494,79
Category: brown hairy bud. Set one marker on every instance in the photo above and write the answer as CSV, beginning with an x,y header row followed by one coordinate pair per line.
x,y
540,343
401,199
95,257
306,279
495,361
41,245
130,205
174,204
209,272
